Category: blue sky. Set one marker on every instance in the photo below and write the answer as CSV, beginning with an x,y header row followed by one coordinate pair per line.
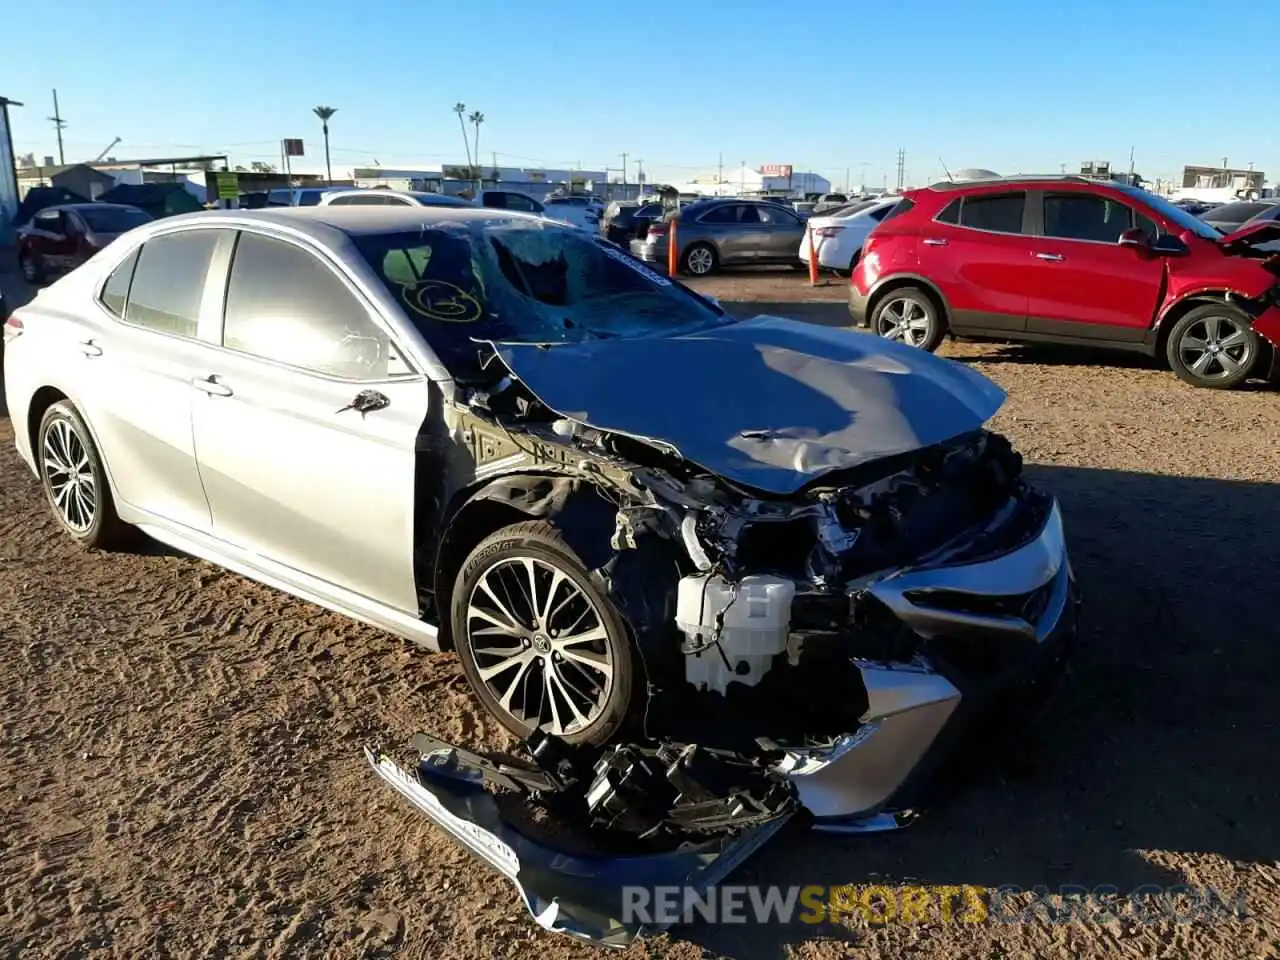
x,y
822,85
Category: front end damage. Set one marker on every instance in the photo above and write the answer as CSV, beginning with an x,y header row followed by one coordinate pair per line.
x,y
822,649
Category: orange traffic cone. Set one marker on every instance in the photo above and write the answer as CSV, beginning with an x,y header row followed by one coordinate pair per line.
x,y
813,257
673,250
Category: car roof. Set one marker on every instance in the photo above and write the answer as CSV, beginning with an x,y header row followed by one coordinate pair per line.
x,y
320,222
94,205
1025,179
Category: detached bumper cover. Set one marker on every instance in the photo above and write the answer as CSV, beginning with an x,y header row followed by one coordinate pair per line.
x,y
579,896
996,634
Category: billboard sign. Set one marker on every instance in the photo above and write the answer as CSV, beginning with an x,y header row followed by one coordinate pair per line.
x,y
293,148
776,170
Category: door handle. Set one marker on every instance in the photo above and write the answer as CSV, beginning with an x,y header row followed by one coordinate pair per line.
x,y
366,401
935,241
212,386
1053,257
90,349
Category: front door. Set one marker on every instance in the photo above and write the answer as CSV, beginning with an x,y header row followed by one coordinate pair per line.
x,y
306,432
783,233
137,354
1085,284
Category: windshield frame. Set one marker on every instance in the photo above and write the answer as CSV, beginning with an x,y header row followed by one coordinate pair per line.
x,y
1167,211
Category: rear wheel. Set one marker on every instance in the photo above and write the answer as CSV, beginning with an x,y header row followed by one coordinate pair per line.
x,y
31,266
1213,346
74,480
700,259
540,644
908,314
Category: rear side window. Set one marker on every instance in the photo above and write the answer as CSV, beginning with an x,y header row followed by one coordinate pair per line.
x,y
952,213
115,292
902,206
726,213
998,213
1085,216
168,282
284,304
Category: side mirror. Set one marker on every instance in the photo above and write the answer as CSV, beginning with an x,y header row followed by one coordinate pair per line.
x,y
1167,245
1135,239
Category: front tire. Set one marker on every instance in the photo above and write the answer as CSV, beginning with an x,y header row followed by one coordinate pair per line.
x,y
540,643
75,481
700,259
1213,346
909,315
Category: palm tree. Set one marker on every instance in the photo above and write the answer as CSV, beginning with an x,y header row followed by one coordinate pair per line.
x,y
460,108
324,113
476,119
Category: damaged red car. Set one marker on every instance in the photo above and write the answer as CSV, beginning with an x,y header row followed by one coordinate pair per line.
x,y
1073,261
717,574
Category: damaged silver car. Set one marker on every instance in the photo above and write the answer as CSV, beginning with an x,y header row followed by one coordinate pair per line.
x,y
716,574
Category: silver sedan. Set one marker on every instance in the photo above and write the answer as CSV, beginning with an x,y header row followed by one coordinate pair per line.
x,y
629,514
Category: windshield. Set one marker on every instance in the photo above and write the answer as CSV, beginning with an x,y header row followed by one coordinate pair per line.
x,y
1173,214
525,281
106,219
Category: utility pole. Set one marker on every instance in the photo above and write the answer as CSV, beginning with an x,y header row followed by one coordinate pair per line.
x,y
902,167
742,178
846,180
720,173
1131,166
624,172
58,124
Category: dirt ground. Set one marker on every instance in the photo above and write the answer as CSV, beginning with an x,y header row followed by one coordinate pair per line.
x,y
180,766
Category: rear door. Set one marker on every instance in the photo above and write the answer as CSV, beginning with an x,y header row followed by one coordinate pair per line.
x,y
139,354
1084,284
294,470
735,241
976,251
53,241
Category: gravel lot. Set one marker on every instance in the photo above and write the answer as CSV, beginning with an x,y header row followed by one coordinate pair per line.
x,y
180,771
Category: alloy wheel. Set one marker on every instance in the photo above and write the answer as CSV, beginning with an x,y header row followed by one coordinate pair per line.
x,y
1216,348
540,645
700,261
67,471
28,270
905,319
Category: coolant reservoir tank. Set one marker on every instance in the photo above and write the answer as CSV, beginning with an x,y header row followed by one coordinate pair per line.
x,y
756,619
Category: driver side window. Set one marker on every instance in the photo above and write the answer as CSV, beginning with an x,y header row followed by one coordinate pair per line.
x,y
284,304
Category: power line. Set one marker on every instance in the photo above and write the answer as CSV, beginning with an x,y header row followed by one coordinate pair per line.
x,y
58,124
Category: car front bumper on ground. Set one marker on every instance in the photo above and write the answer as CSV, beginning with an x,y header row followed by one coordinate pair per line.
x,y
998,633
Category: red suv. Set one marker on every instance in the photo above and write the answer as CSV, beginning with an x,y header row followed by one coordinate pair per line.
x,y
1069,260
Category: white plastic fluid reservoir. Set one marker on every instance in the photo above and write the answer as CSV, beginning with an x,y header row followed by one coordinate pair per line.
x,y
757,617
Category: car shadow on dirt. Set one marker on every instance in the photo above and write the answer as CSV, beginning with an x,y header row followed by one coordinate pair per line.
x,y
1164,738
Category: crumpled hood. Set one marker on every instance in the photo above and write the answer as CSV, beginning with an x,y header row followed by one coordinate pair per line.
x,y
768,403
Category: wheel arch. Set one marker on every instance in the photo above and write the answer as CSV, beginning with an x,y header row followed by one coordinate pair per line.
x,y
579,508
900,280
1175,311
44,398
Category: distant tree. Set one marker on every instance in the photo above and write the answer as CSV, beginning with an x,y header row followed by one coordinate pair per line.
x,y
26,159
261,166
240,168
